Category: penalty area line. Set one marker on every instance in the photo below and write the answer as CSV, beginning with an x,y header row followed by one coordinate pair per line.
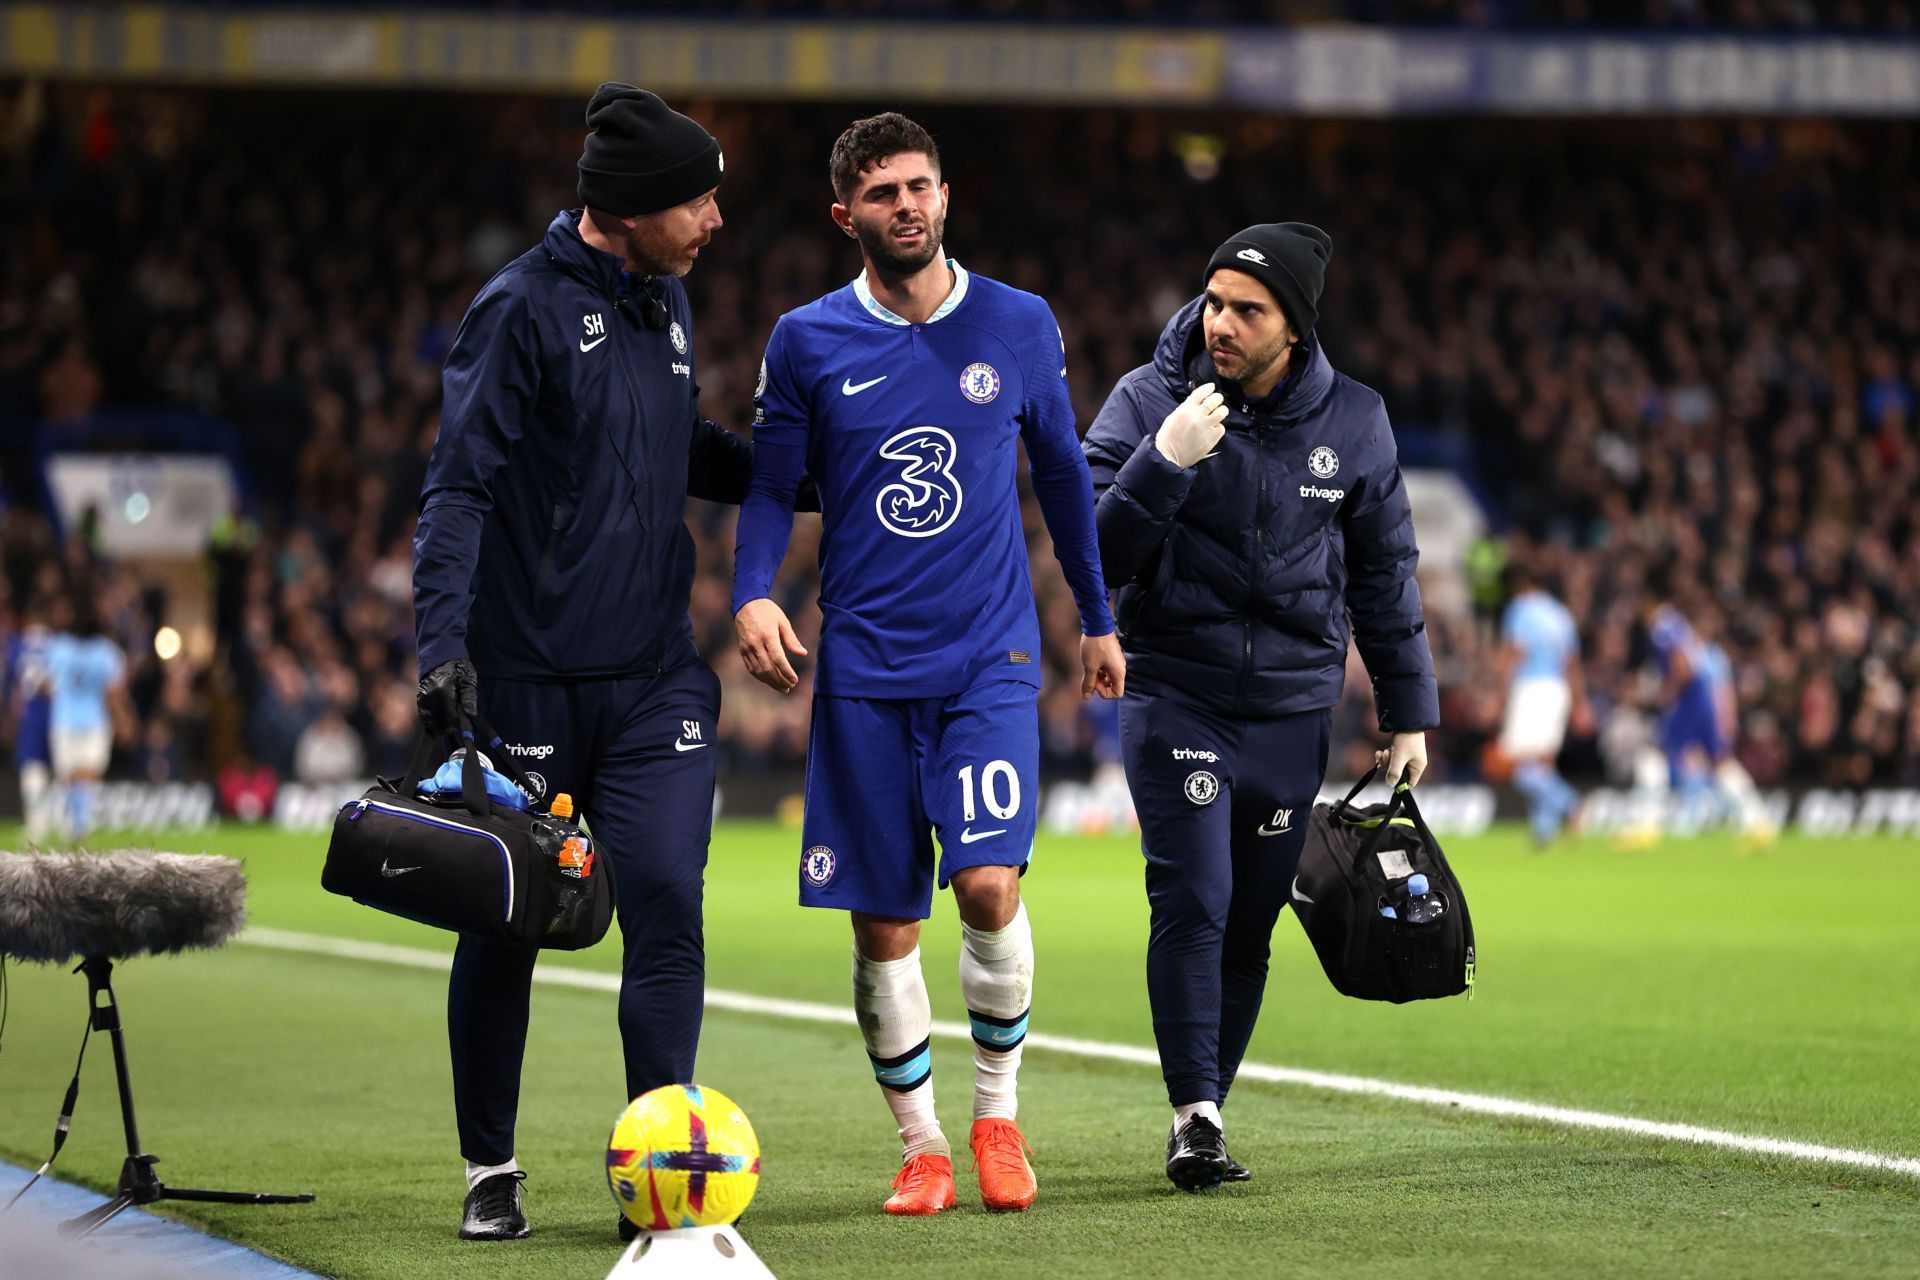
x,y
1107,1051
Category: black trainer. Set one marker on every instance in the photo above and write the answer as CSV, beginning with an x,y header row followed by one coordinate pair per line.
x,y
495,1210
1196,1155
1236,1172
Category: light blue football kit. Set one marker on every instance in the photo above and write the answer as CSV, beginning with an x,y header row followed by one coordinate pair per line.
x,y
1542,634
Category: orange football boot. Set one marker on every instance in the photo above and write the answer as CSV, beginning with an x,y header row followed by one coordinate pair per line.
x,y
999,1152
924,1186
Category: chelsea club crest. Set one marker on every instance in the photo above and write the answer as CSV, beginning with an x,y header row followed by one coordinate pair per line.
x,y
980,383
817,865
678,336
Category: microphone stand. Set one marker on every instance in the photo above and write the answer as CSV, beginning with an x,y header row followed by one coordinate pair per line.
x,y
139,1184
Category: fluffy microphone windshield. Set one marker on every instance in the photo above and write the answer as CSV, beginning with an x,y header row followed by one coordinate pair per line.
x,y
64,906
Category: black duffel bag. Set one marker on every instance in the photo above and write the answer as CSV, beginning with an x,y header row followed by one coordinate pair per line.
x,y
466,863
1355,866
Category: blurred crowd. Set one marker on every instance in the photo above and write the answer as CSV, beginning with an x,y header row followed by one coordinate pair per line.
x,y
1689,344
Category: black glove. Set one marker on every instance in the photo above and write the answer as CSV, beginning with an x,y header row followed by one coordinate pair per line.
x,y
447,693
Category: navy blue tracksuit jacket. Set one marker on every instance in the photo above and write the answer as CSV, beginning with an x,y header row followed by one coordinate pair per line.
x,y
552,550
1241,580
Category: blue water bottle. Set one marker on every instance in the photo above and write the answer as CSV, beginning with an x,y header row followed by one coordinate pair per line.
x,y
1423,907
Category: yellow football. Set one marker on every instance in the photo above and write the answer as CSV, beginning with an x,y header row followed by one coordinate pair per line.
x,y
682,1156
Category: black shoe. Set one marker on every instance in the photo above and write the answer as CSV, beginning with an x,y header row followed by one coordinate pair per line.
x,y
1236,1172
1196,1155
495,1210
629,1230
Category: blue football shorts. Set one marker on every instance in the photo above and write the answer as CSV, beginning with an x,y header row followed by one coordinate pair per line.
x,y
1690,735
886,777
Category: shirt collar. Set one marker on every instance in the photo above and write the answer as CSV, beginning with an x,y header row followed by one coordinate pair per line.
x,y
879,312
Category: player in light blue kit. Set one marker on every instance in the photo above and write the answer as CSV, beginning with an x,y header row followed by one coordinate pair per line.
x,y
1540,652
85,670
906,395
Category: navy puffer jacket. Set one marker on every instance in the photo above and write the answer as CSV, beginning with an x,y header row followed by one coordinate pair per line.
x,y
1237,577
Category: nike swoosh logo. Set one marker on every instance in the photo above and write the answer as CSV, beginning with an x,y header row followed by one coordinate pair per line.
x,y
1297,895
588,346
681,744
386,870
968,837
850,388
1266,830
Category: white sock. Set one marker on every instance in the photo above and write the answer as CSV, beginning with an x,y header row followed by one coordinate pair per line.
x,y
996,977
1737,784
1650,788
896,1021
1211,1110
478,1173
36,790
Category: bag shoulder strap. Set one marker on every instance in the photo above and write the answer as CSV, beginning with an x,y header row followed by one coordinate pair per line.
x,y
474,732
1400,801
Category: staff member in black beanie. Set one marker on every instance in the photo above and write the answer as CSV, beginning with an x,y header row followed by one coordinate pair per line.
x,y
552,570
1250,503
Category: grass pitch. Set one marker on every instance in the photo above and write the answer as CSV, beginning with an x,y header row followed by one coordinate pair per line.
x,y
1773,995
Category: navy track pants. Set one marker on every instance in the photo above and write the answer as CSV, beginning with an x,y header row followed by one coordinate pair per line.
x,y
1223,808
637,756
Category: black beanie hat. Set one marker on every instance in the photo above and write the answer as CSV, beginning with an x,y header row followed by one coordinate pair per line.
x,y
1290,258
643,156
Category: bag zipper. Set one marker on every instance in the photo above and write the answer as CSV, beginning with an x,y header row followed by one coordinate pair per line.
x,y
506,859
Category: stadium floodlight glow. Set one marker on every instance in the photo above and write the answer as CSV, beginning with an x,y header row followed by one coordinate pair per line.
x,y
166,644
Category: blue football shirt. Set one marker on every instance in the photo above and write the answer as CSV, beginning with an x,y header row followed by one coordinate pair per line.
x,y
912,433
1670,635
28,681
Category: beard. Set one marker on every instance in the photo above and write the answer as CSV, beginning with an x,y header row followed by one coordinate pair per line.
x,y
660,255
895,260
1249,367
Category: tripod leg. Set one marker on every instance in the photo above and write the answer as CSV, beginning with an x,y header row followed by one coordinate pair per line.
x,y
138,1182
233,1197
93,1219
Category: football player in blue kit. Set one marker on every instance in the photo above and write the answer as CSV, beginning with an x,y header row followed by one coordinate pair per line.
x,y
905,395
1698,730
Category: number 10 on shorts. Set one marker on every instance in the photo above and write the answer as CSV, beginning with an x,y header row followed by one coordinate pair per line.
x,y
990,786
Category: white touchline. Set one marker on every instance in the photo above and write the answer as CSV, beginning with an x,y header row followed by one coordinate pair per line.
x,y
807,1011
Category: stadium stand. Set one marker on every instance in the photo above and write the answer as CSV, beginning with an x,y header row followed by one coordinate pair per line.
x,y
1693,344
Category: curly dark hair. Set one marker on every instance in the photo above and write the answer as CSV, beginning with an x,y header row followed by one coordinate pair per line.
x,y
867,142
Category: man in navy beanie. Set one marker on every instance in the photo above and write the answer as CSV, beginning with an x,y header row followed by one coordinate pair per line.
x,y
552,569
1250,503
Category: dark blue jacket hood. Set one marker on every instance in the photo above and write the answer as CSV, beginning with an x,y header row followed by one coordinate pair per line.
x,y
1237,576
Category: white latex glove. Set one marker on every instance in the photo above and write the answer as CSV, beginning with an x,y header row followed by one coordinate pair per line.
x,y
1407,755
1194,427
